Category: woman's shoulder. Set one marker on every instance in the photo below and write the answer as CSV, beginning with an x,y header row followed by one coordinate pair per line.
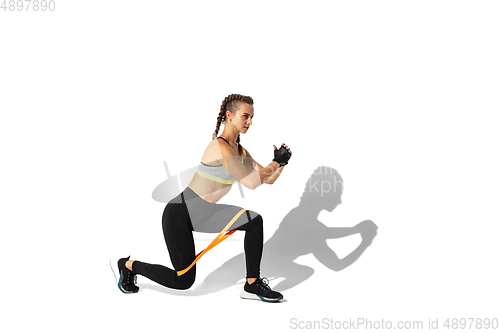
x,y
219,148
211,152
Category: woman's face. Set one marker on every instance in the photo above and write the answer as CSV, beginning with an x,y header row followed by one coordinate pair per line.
x,y
242,119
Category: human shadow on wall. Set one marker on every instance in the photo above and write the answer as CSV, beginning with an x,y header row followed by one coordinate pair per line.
x,y
300,233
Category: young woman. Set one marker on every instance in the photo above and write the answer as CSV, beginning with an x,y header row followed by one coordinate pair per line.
x,y
196,208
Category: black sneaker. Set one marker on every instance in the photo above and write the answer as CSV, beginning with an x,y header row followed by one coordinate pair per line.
x,y
127,279
260,290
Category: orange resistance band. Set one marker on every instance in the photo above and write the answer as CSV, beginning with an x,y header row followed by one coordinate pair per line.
x,y
220,237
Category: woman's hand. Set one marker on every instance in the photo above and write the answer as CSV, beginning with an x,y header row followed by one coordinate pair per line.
x,y
285,147
282,155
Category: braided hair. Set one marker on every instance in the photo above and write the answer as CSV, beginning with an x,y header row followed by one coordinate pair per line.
x,y
231,103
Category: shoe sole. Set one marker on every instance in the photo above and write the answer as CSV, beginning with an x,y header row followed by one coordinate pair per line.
x,y
117,273
247,295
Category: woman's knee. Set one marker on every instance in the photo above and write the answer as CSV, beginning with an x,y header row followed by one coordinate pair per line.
x,y
258,220
186,280
255,223
252,221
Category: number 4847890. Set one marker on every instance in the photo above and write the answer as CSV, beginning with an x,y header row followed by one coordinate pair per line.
x,y
27,5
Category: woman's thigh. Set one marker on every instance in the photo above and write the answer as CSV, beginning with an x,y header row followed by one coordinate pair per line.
x,y
219,215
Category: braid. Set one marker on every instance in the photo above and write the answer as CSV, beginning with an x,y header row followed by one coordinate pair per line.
x,y
220,118
231,103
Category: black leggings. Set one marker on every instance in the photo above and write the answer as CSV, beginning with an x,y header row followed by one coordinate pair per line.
x,y
187,213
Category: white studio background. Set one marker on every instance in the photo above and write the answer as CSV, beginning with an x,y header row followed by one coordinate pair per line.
x,y
399,96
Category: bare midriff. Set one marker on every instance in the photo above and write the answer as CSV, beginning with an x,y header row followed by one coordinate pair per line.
x,y
207,189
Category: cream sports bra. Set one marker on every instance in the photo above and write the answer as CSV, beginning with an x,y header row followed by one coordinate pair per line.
x,y
216,173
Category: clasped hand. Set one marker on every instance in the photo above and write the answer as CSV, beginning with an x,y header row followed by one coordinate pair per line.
x,y
282,155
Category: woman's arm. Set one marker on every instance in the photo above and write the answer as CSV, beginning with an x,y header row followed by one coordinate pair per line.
x,y
272,178
250,177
